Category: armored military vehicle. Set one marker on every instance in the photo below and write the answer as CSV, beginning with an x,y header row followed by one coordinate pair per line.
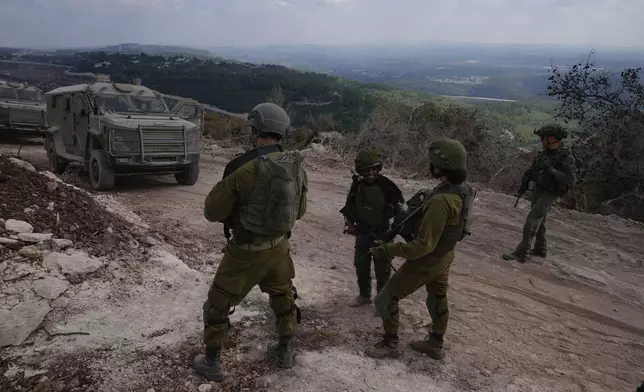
x,y
22,109
118,129
186,108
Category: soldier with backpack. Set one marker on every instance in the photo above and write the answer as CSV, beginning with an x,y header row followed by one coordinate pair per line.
x,y
553,172
373,200
437,220
262,194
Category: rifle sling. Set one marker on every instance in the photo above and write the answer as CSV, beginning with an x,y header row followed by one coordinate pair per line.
x,y
248,156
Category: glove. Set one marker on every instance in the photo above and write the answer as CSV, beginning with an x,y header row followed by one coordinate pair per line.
x,y
379,252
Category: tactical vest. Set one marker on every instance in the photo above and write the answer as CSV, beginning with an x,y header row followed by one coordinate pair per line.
x,y
452,234
272,208
545,180
370,204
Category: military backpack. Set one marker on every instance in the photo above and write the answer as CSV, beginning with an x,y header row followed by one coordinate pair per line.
x,y
273,206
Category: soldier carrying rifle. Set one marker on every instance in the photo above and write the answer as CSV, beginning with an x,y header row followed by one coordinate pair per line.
x,y
553,172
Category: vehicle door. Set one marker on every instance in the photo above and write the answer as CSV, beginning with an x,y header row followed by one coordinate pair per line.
x,y
67,126
80,112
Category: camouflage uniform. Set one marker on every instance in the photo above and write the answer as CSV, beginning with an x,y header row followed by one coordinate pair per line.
x,y
371,203
253,256
429,253
553,171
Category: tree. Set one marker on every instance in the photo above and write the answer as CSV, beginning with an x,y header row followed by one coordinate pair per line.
x,y
608,109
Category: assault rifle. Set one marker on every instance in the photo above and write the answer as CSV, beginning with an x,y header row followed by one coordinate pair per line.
x,y
390,234
345,211
523,189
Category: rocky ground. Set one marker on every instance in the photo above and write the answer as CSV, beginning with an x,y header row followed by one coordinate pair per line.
x,y
109,298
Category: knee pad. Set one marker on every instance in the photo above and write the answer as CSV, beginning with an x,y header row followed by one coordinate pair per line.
x,y
214,315
283,306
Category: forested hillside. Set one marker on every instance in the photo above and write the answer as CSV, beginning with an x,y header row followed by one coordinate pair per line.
x,y
237,87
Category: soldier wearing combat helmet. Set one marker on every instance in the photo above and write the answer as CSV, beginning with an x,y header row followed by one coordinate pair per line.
x,y
437,220
262,194
553,172
373,200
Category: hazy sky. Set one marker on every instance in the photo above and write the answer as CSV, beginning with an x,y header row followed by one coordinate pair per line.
x,y
205,23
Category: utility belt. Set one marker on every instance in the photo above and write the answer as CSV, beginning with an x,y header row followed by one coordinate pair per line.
x,y
272,243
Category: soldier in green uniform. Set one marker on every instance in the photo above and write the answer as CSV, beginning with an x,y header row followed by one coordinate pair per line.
x,y
372,202
553,172
440,220
262,194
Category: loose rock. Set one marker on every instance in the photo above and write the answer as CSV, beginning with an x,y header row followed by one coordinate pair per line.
x,y
63,243
18,323
18,226
76,262
51,187
60,303
50,287
34,237
8,241
51,175
23,164
30,252
204,387
148,240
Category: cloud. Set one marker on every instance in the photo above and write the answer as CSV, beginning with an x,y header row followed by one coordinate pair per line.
x,y
259,22
332,2
284,3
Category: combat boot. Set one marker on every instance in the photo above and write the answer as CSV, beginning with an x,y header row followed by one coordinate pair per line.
x,y
539,252
521,258
209,365
359,301
282,352
432,346
389,346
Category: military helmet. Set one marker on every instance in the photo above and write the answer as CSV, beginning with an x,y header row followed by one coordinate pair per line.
x,y
555,130
448,154
367,158
269,117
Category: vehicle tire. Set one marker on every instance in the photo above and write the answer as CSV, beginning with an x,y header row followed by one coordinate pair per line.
x,y
101,175
56,164
189,176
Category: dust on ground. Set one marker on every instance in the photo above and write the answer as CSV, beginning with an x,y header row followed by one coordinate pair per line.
x,y
573,321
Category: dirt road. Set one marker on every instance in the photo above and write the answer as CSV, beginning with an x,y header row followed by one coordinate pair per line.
x,y
571,322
